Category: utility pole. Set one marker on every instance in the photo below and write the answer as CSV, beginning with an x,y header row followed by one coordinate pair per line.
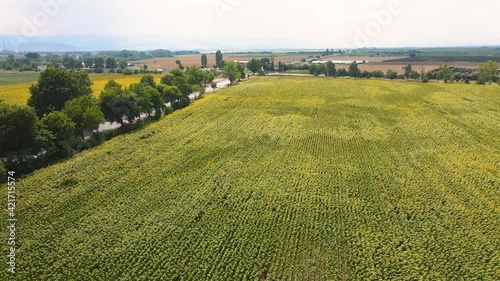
x,y
4,45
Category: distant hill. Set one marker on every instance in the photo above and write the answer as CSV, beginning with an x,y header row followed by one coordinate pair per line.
x,y
99,43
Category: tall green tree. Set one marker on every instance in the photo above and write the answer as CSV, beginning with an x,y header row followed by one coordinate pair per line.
x,y
281,67
169,93
69,62
195,75
487,72
179,63
118,104
85,113
156,100
18,129
33,56
110,63
354,70
168,79
55,87
144,97
99,62
148,80
241,69
330,68
254,65
218,59
178,78
122,63
266,62
84,82
89,62
408,71
204,61
208,77
314,69
231,72
62,129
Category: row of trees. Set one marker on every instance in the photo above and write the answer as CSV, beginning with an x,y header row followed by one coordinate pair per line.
x,y
488,72
31,62
77,60
60,110
62,116
219,60
27,63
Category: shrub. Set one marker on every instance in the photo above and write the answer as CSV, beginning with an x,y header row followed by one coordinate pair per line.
x,y
481,81
107,135
377,74
168,110
365,74
181,103
140,124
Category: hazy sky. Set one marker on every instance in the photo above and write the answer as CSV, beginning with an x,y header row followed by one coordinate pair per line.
x,y
311,23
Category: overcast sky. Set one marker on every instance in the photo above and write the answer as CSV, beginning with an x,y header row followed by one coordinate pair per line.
x,y
282,23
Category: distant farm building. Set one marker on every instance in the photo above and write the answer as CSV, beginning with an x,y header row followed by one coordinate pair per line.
x,y
341,61
243,62
42,67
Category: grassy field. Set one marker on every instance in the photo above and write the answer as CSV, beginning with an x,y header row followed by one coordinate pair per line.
x,y
19,93
16,77
280,178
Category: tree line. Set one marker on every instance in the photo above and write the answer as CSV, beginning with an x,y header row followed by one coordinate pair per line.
x,y
111,60
62,117
488,72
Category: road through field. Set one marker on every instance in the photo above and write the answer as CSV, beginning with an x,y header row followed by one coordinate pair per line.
x,y
221,83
